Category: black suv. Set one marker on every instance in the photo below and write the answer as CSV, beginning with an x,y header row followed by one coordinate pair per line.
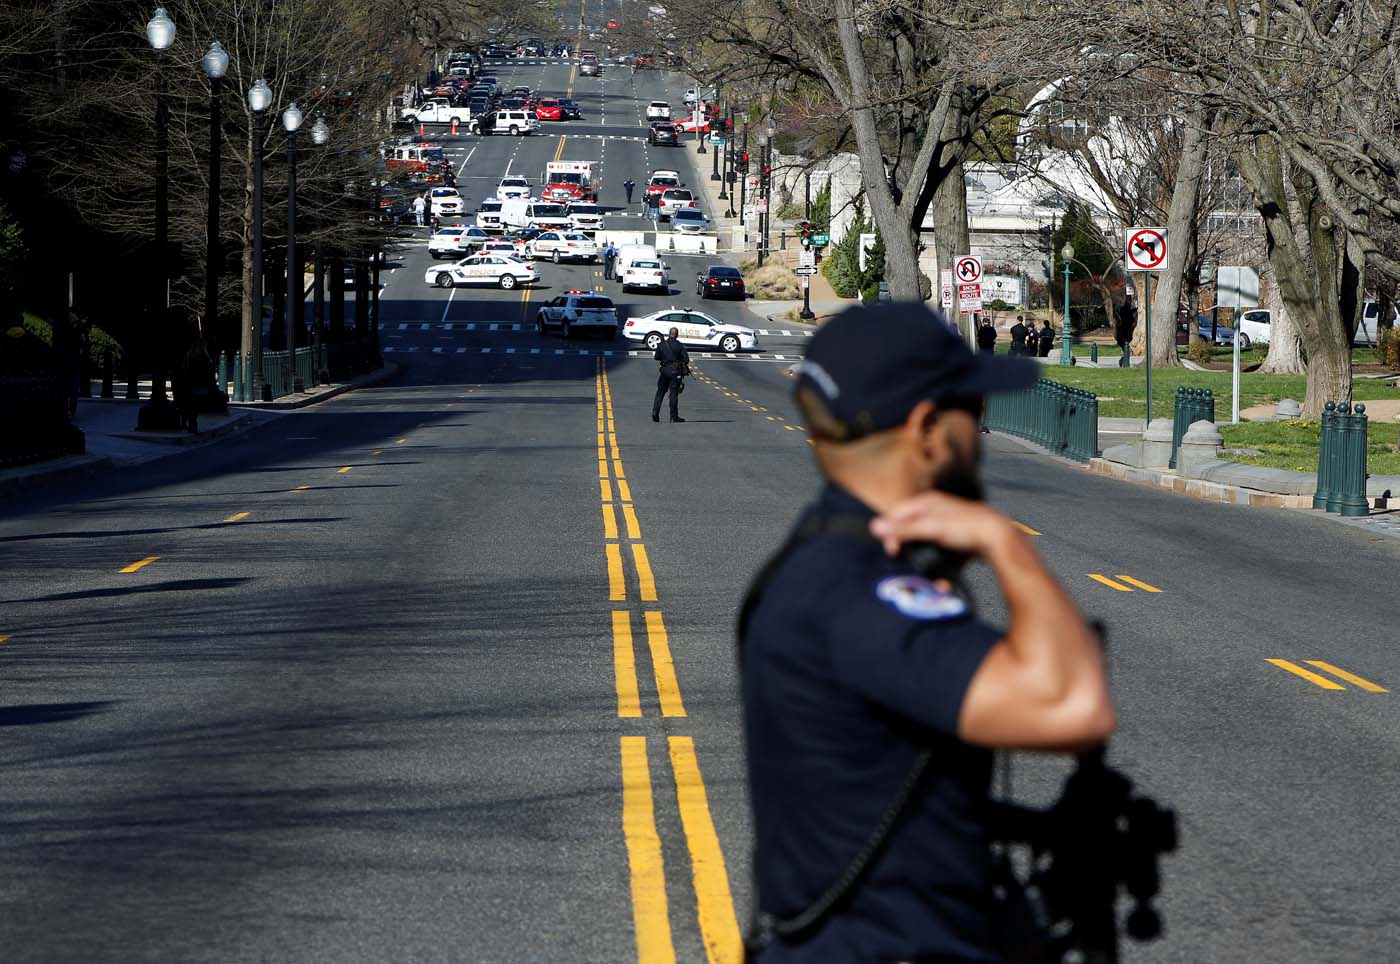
x,y
662,133
568,110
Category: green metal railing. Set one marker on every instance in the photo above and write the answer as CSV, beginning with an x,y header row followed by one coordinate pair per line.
x,y
1341,460
1192,405
280,372
1059,418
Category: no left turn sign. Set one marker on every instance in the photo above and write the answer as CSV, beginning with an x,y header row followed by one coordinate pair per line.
x,y
1147,249
968,270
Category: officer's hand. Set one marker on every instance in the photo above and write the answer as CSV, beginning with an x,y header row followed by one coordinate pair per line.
x,y
961,525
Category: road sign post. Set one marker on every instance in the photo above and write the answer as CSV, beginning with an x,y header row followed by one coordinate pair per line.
x,y
1146,251
1235,287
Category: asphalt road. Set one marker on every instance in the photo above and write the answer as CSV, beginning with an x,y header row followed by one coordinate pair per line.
x,y
442,670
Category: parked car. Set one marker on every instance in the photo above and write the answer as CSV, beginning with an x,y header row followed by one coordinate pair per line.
x,y
456,240
675,199
520,239
663,133
1369,328
488,215
720,281
501,270
549,109
586,215
563,246
512,186
1224,335
445,200
696,329
513,122
577,312
1255,325
689,221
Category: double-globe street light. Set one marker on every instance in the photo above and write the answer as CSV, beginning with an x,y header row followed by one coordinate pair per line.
x,y
158,413
215,64
259,99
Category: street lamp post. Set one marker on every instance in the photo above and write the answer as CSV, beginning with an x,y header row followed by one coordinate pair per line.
x,y
727,164
720,145
806,314
158,413
697,114
292,119
215,65
1067,253
320,134
762,195
259,99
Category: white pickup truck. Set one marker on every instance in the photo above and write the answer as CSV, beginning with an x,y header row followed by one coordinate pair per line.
x,y
437,113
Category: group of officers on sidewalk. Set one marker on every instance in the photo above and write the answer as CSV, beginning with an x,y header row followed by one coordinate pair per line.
x,y
1026,340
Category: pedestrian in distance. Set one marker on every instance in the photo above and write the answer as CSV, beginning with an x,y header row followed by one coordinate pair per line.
x,y
1019,333
1046,338
628,185
873,693
609,259
675,365
418,205
192,384
986,336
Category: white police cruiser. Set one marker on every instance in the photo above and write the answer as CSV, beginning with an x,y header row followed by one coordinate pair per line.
x,y
695,328
491,268
577,312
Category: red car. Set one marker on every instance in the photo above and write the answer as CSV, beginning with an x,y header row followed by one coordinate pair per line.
x,y
549,109
614,25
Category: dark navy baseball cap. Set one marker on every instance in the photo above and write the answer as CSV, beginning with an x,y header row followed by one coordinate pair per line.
x,y
870,365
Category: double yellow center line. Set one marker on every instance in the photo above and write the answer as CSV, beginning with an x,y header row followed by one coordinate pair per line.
x,y
714,903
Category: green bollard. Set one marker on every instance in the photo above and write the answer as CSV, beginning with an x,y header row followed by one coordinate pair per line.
x,y
1324,458
1181,411
1353,500
1336,452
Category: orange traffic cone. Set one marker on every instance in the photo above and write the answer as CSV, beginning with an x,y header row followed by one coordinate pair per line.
x,y
454,127
422,130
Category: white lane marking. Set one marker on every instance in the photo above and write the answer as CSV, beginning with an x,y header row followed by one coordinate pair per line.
x,y
447,307
437,351
403,327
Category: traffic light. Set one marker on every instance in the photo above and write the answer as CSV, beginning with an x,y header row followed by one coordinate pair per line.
x,y
805,231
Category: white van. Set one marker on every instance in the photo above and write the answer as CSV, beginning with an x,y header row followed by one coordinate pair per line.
x,y
1368,329
546,215
515,212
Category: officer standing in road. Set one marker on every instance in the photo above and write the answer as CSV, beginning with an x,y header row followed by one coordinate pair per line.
x,y
627,186
873,693
675,365
609,259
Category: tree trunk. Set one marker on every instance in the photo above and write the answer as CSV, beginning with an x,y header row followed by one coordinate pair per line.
x,y
950,233
1181,216
1285,346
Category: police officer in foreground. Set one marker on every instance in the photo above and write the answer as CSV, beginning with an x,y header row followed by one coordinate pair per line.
x,y
675,365
873,693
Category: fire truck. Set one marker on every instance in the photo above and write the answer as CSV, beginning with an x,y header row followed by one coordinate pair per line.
x,y
420,161
571,181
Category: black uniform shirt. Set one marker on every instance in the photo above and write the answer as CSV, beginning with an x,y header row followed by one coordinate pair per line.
x,y
673,357
851,663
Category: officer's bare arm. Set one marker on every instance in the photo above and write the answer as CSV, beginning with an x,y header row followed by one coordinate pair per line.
x,y
1043,687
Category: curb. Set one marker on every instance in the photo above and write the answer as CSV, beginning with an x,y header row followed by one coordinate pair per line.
x,y
389,370
70,466
240,424
1199,488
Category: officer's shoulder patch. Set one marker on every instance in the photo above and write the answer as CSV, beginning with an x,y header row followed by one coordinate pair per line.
x,y
919,598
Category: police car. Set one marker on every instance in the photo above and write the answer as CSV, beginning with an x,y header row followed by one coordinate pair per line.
x,y
562,246
513,185
695,328
577,312
502,270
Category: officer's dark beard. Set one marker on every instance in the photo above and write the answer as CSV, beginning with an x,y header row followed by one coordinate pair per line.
x,y
960,479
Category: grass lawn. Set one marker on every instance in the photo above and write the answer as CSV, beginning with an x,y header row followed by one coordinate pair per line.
x,y
1293,445
1123,391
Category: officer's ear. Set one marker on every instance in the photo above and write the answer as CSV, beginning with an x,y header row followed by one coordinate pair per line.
x,y
921,429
